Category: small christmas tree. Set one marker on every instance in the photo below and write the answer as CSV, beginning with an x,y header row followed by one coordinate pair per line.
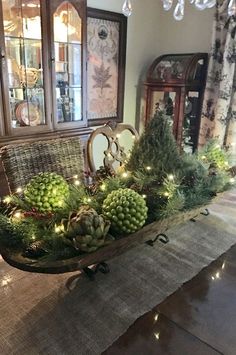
x,y
156,149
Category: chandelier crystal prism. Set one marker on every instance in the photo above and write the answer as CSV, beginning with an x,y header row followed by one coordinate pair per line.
x,y
180,4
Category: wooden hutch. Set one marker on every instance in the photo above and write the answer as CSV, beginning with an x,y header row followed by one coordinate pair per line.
x,y
175,83
43,70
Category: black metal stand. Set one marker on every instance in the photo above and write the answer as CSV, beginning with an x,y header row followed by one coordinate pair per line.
x,y
102,267
161,237
205,212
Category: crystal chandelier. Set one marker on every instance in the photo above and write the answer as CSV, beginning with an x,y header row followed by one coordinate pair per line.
x,y
179,7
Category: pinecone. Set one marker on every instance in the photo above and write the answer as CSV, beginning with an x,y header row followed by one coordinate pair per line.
x,y
35,250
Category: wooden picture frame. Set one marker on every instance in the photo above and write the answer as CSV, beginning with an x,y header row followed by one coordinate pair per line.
x,y
106,48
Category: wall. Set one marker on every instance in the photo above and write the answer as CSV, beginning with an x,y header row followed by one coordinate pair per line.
x,y
192,34
143,37
152,32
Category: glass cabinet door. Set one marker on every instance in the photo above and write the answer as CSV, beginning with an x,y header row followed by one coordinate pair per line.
x,y
166,101
67,64
24,63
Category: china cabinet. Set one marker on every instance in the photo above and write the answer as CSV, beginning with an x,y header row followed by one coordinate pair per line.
x,y
43,61
175,83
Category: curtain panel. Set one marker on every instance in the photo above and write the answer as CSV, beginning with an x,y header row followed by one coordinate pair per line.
x,y
219,104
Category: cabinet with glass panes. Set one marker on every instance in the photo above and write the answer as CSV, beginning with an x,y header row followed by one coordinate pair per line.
x,y
175,85
43,77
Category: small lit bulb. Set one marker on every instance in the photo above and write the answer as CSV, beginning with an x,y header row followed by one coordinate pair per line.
x,y
19,190
203,157
118,135
223,266
7,199
57,229
166,194
144,196
157,336
212,278
18,215
125,175
133,136
89,200
77,182
148,168
218,275
156,317
103,187
33,237
75,176
171,177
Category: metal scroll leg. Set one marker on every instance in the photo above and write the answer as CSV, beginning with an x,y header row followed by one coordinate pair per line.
x,y
206,212
102,267
161,237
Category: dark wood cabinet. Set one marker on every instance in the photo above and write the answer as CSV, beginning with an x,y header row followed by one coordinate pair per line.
x,y
43,69
175,84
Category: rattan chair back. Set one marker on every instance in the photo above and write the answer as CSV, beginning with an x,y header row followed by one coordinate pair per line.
x,y
22,161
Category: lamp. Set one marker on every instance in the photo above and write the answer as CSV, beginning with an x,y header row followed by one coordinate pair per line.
x,y
179,8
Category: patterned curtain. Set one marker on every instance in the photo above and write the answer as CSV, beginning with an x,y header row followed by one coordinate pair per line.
x,y
219,104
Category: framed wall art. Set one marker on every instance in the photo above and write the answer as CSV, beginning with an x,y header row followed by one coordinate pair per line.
x,y
106,48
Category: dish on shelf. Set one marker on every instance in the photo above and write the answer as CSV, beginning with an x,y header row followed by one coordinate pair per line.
x,y
28,76
27,113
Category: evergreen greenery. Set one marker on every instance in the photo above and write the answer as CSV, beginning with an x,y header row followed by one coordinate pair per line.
x,y
169,181
156,148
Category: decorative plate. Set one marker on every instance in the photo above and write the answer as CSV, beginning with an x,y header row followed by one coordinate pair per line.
x,y
27,114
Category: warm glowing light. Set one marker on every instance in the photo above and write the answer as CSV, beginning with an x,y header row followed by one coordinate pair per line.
x,y
171,177
7,199
17,215
125,175
203,157
166,194
60,228
218,275
156,317
157,336
75,176
19,190
6,280
133,136
223,266
148,168
32,5
89,200
103,187
77,182
118,135
33,237
213,278
144,196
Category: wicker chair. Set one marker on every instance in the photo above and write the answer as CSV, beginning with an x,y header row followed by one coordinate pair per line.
x,y
22,161
112,132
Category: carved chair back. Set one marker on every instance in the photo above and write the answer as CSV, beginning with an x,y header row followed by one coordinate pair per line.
x,y
112,132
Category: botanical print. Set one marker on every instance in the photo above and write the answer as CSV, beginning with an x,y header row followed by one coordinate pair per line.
x,y
103,47
219,106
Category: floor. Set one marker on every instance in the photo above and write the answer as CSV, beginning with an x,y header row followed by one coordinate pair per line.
x,y
198,319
